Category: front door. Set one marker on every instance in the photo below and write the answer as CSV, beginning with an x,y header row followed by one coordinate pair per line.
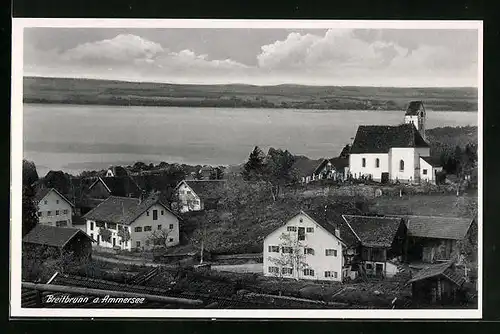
x,y
379,269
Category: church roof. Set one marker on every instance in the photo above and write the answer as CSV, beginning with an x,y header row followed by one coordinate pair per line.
x,y
413,108
433,161
381,138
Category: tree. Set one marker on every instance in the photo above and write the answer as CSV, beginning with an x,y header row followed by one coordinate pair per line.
x,y
105,234
159,238
30,175
59,181
291,255
30,210
254,167
278,170
345,151
123,233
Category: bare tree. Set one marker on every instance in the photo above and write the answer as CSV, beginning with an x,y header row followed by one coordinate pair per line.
x,y
291,255
159,238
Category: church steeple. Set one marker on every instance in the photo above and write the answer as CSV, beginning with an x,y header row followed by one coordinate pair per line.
x,y
416,115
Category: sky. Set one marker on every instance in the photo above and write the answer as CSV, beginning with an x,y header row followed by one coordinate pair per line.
x,y
336,57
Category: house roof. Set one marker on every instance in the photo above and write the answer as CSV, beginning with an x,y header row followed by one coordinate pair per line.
x,y
337,163
41,192
374,231
454,228
119,185
118,171
122,210
306,167
206,189
413,108
53,236
433,161
381,138
435,270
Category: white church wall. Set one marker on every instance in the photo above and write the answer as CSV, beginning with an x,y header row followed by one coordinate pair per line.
x,y
408,156
356,164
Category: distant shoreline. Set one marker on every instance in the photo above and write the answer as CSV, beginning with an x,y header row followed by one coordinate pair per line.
x,y
38,90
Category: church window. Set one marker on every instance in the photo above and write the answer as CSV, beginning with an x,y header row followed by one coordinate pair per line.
x,y
377,163
401,165
363,162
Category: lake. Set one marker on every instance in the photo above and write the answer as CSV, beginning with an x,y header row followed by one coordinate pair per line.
x,y
84,137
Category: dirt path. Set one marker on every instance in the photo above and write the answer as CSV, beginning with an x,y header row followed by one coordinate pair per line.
x,y
138,262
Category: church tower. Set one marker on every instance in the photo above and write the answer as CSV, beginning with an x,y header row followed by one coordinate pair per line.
x,y
415,114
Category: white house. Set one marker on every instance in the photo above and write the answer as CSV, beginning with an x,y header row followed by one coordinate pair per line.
x,y
195,195
391,153
53,208
429,167
305,248
132,223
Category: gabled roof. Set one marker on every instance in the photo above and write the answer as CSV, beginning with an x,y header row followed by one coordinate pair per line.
x,y
205,189
41,192
337,163
374,231
414,107
122,210
433,161
435,270
119,186
453,228
53,236
118,171
381,138
306,167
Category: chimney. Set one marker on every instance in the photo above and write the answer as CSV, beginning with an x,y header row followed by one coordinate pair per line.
x,y
337,232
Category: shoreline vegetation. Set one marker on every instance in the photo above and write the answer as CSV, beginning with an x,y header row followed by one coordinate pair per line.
x,y
106,92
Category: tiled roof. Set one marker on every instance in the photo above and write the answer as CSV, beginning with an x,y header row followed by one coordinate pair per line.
x,y
435,270
51,235
206,189
454,228
306,167
381,138
329,221
374,231
413,108
122,186
122,210
41,192
433,161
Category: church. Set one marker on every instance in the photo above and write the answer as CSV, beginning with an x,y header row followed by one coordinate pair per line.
x,y
394,153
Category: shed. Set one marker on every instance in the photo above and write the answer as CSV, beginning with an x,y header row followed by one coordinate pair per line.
x,y
437,284
60,238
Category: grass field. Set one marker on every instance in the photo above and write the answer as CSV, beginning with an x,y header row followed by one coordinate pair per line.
x,y
104,92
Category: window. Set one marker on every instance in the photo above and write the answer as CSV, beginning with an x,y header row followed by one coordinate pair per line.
x,y
155,214
170,239
61,223
377,163
147,228
287,250
91,226
57,201
39,213
310,230
302,233
162,212
147,213
287,271
301,220
44,202
57,212
330,252
49,213
274,270
159,227
308,272
112,226
309,251
99,224
138,229
331,274
65,211
171,226
363,162
138,244
92,235
274,249
291,228
424,171
401,165
369,266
